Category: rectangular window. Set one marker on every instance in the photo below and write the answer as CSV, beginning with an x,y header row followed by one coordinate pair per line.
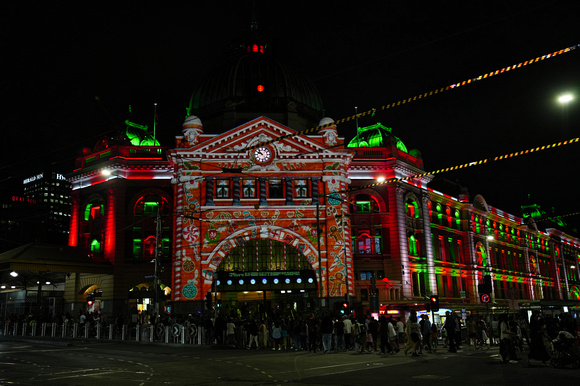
x,y
442,255
150,208
275,188
378,244
363,206
249,189
300,188
223,189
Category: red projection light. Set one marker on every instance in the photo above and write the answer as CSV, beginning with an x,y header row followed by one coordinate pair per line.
x,y
260,88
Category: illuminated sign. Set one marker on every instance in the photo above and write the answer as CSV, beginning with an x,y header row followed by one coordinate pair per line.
x,y
33,178
23,199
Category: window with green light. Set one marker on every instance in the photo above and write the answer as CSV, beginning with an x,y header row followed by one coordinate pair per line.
x,y
150,208
137,248
412,208
95,246
94,211
413,246
363,206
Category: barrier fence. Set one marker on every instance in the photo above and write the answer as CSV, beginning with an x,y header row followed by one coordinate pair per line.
x,y
183,333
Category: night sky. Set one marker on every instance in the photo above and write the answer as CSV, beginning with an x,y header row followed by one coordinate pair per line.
x,y
58,56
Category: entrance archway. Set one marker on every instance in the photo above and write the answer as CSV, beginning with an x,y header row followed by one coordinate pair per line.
x,y
264,273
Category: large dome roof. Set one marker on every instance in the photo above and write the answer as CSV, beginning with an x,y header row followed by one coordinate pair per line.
x,y
253,84
376,135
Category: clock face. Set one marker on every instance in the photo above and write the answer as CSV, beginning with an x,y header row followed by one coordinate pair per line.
x,y
262,154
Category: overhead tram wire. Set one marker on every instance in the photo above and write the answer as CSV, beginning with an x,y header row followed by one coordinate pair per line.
x,y
415,98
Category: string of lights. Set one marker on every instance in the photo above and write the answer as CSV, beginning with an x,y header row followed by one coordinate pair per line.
x,y
424,95
466,165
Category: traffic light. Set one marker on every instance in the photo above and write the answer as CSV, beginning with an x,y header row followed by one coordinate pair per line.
x,y
434,303
484,289
90,299
344,309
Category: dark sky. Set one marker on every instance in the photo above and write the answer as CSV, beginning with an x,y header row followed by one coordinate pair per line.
x,y
57,56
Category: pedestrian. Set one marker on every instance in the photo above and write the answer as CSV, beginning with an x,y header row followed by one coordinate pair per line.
x,y
276,335
384,335
373,328
393,336
449,326
326,331
400,326
413,335
426,332
231,332
538,334
253,331
359,332
348,341
313,328
507,351
339,335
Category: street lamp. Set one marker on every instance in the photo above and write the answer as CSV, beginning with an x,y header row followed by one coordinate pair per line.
x,y
564,100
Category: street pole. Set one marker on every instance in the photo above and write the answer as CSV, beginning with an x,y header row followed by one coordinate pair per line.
x,y
157,257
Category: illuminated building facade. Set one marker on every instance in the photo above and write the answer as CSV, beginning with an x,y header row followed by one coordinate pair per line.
x,y
121,188
247,216
416,241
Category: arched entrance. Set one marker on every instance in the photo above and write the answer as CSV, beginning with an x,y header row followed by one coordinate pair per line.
x,y
264,274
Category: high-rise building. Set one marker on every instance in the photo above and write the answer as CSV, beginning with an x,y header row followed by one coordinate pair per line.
x,y
52,194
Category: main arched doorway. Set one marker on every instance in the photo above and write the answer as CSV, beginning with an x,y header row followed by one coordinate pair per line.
x,y
264,275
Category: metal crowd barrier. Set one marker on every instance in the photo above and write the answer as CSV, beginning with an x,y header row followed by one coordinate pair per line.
x,y
186,333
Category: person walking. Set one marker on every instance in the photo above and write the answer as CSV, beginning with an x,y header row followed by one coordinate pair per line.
x,y
413,335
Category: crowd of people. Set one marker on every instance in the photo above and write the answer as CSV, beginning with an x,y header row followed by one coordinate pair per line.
x,y
325,332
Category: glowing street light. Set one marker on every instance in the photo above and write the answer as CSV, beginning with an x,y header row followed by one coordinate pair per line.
x,y
565,98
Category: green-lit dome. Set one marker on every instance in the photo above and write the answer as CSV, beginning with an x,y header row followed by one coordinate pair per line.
x,y
376,135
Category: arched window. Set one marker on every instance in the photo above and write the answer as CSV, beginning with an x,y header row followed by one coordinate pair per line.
x,y
412,245
412,208
150,204
94,211
264,255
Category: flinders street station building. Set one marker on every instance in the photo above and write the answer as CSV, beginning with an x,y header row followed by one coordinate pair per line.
x,y
252,209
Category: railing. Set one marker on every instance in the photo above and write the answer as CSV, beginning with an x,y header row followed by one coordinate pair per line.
x,y
183,333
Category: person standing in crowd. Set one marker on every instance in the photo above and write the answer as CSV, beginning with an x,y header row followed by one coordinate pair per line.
x,y
373,327
326,331
393,336
507,351
348,341
313,329
426,332
413,335
400,326
449,326
253,331
276,335
339,335
538,334
384,335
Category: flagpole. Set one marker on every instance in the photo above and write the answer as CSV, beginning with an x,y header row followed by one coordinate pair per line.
x,y
154,120
356,120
